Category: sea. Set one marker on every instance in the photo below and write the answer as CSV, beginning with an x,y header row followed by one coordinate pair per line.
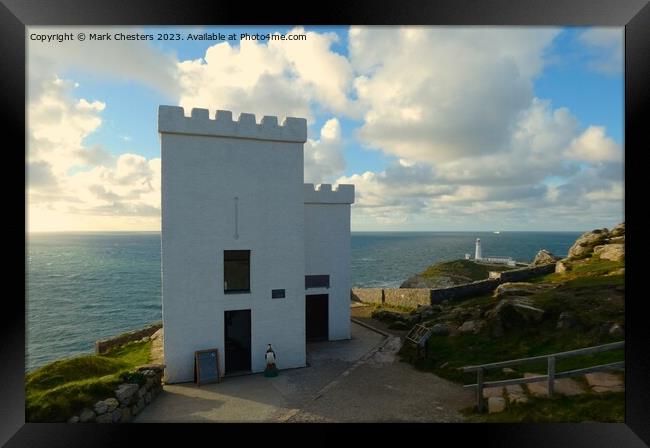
x,y
82,287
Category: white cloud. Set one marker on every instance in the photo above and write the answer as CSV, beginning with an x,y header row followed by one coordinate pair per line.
x,y
279,78
439,94
324,158
133,60
594,146
606,48
75,187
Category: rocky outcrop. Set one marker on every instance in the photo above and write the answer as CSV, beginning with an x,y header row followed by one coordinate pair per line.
x,y
519,289
544,257
618,231
585,244
613,252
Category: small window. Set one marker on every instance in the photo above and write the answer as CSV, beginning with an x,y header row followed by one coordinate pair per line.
x,y
277,293
236,271
317,281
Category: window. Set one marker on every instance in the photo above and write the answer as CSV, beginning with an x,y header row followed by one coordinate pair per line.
x,y
317,281
236,271
277,293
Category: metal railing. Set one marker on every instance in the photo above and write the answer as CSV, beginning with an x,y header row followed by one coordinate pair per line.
x,y
551,375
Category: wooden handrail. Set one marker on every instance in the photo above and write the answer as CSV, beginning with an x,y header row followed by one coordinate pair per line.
x,y
568,354
551,375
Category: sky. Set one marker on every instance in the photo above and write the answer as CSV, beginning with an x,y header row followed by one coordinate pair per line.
x,y
438,128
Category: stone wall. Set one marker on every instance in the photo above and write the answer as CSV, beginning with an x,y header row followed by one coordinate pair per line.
x,y
412,297
128,400
105,345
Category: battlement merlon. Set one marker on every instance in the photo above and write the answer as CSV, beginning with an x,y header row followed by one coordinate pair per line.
x,y
324,194
172,120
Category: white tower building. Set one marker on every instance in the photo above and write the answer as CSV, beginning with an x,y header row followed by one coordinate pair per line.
x,y
477,254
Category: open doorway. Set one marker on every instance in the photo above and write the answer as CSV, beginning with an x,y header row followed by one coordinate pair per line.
x,y
317,317
237,337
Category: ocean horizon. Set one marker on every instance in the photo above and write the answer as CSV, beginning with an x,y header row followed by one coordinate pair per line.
x,y
86,286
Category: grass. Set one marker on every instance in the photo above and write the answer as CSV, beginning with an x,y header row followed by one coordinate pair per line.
x,y
607,407
62,388
461,271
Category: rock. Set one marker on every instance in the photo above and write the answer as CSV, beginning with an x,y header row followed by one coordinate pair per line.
x,y
440,330
386,316
398,325
117,415
618,231
74,419
147,398
105,418
516,394
613,252
562,266
86,415
521,289
568,387
566,321
125,391
496,404
544,257
142,391
529,313
585,243
538,389
100,408
444,365
112,404
511,313
604,382
619,271
492,392
135,410
616,331
145,339
508,370
495,327
617,240
469,325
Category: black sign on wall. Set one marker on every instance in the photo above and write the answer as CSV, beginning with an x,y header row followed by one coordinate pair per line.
x,y
277,293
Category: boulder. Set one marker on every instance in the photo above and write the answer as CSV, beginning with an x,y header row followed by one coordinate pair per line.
x,y
566,321
604,382
117,415
613,252
496,404
519,289
619,230
562,266
126,415
440,330
86,415
100,408
492,392
585,243
617,330
511,313
516,394
125,392
469,326
386,315
544,257
617,240
105,418
74,419
495,327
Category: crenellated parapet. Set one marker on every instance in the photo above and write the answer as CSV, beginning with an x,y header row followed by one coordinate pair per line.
x,y
172,120
324,194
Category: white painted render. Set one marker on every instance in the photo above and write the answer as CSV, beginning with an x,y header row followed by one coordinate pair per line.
x,y
212,167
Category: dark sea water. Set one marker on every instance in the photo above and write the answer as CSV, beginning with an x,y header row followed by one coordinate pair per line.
x,y
82,287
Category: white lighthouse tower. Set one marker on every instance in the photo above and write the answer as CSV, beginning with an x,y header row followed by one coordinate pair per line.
x,y
477,254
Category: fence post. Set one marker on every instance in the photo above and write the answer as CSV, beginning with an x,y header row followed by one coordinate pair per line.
x,y
551,375
479,389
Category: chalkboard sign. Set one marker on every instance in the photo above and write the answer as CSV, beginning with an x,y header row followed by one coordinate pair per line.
x,y
207,366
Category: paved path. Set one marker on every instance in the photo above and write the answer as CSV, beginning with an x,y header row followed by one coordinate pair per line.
x,y
356,380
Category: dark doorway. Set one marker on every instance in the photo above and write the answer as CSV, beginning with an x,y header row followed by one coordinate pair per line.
x,y
317,317
237,325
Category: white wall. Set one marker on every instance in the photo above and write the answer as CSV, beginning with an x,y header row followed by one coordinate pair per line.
x,y
205,164
327,250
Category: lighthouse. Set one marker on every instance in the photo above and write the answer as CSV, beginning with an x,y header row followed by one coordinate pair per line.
x,y
477,254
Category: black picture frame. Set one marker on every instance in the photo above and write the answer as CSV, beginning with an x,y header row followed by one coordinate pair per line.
x,y
633,14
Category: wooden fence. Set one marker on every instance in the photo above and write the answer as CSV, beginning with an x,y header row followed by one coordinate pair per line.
x,y
551,373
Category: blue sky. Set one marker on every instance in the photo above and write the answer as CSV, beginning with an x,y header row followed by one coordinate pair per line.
x,y
575,70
